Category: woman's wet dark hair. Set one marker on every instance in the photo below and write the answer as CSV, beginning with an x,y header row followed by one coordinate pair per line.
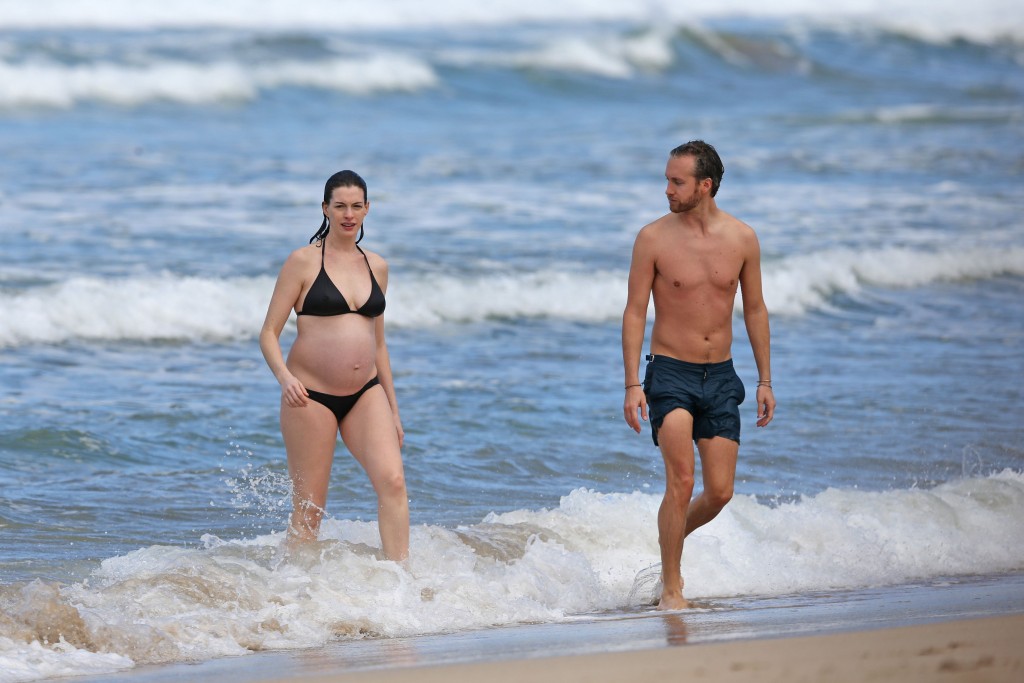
x,y
340,179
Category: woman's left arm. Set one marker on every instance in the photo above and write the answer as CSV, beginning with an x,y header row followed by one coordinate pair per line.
x,y
383,359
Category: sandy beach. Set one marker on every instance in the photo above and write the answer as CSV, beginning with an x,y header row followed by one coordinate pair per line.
x,y
984,649
953,630
969,650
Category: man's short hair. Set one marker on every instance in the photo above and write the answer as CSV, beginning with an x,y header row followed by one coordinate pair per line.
x,y
707,162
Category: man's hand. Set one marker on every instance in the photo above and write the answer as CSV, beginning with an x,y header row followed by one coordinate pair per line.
x,y
765,405
635,400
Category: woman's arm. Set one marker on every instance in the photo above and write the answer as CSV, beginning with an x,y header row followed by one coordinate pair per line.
x,y
286,294
382,357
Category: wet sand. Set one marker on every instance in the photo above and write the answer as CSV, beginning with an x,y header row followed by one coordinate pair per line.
x,y
987,649
965,629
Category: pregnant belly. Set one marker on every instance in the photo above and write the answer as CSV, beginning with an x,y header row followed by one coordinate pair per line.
x,y
334,355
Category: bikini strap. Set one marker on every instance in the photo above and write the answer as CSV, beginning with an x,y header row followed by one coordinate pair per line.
x,y
367,261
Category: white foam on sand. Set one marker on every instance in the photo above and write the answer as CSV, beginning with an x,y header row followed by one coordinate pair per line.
x,y
231,597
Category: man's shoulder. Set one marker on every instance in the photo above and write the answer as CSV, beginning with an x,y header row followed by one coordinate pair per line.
x,y
654,228
731,222
734,227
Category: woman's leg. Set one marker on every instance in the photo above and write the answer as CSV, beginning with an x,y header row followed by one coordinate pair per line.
x,y
369,433
310,434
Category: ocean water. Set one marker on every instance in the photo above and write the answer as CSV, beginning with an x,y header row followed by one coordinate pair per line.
x,y
159,162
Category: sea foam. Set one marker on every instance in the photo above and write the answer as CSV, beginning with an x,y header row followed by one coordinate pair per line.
x,y
49,84
230,597
171,307
608,55
66,71
983,19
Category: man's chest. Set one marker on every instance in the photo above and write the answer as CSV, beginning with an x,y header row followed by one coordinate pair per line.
x,y
685,266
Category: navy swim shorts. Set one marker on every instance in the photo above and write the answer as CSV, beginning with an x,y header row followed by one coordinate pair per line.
x,y
710,392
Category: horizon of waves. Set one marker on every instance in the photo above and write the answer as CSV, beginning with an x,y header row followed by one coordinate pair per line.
x,y
187,308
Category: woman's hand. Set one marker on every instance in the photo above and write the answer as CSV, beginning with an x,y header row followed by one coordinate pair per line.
x,y
399,430
293,393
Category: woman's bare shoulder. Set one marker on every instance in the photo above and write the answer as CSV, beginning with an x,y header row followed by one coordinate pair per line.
x,y
301,261
377,261
304,255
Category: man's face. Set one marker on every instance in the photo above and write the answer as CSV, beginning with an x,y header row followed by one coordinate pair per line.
x,y
684,192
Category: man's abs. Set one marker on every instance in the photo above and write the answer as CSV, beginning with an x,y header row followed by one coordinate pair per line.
x,y
694,338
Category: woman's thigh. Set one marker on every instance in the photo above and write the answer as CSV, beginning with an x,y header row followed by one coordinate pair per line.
x,y
369,433
310,434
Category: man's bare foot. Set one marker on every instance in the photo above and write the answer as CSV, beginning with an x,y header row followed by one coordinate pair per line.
x,y
672,602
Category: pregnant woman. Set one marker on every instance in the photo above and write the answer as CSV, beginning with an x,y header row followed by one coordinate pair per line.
x,y
338,375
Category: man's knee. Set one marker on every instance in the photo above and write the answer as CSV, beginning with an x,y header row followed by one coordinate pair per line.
x,y
679,485
718,497
718,458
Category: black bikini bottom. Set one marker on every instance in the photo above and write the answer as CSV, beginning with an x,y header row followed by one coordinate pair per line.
x,y
341,405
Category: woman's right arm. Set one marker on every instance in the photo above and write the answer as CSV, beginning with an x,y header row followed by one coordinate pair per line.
x,y
286,294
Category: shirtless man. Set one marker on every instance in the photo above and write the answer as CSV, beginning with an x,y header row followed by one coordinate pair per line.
x,y
692,260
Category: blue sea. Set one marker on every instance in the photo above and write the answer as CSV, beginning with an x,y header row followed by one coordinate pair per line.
x,y
158,161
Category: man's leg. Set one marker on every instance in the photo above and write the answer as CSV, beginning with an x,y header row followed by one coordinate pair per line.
x,y
718,469
675,437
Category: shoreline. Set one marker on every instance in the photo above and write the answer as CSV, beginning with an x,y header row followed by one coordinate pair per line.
x,y
955,629
987,649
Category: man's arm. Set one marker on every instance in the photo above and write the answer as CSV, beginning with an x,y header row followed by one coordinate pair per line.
x,y
755,317
634,323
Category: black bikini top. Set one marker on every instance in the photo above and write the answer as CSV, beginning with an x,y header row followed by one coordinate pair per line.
x,y
324,298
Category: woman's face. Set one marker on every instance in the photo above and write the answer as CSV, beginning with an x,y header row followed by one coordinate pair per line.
x,y
346,210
